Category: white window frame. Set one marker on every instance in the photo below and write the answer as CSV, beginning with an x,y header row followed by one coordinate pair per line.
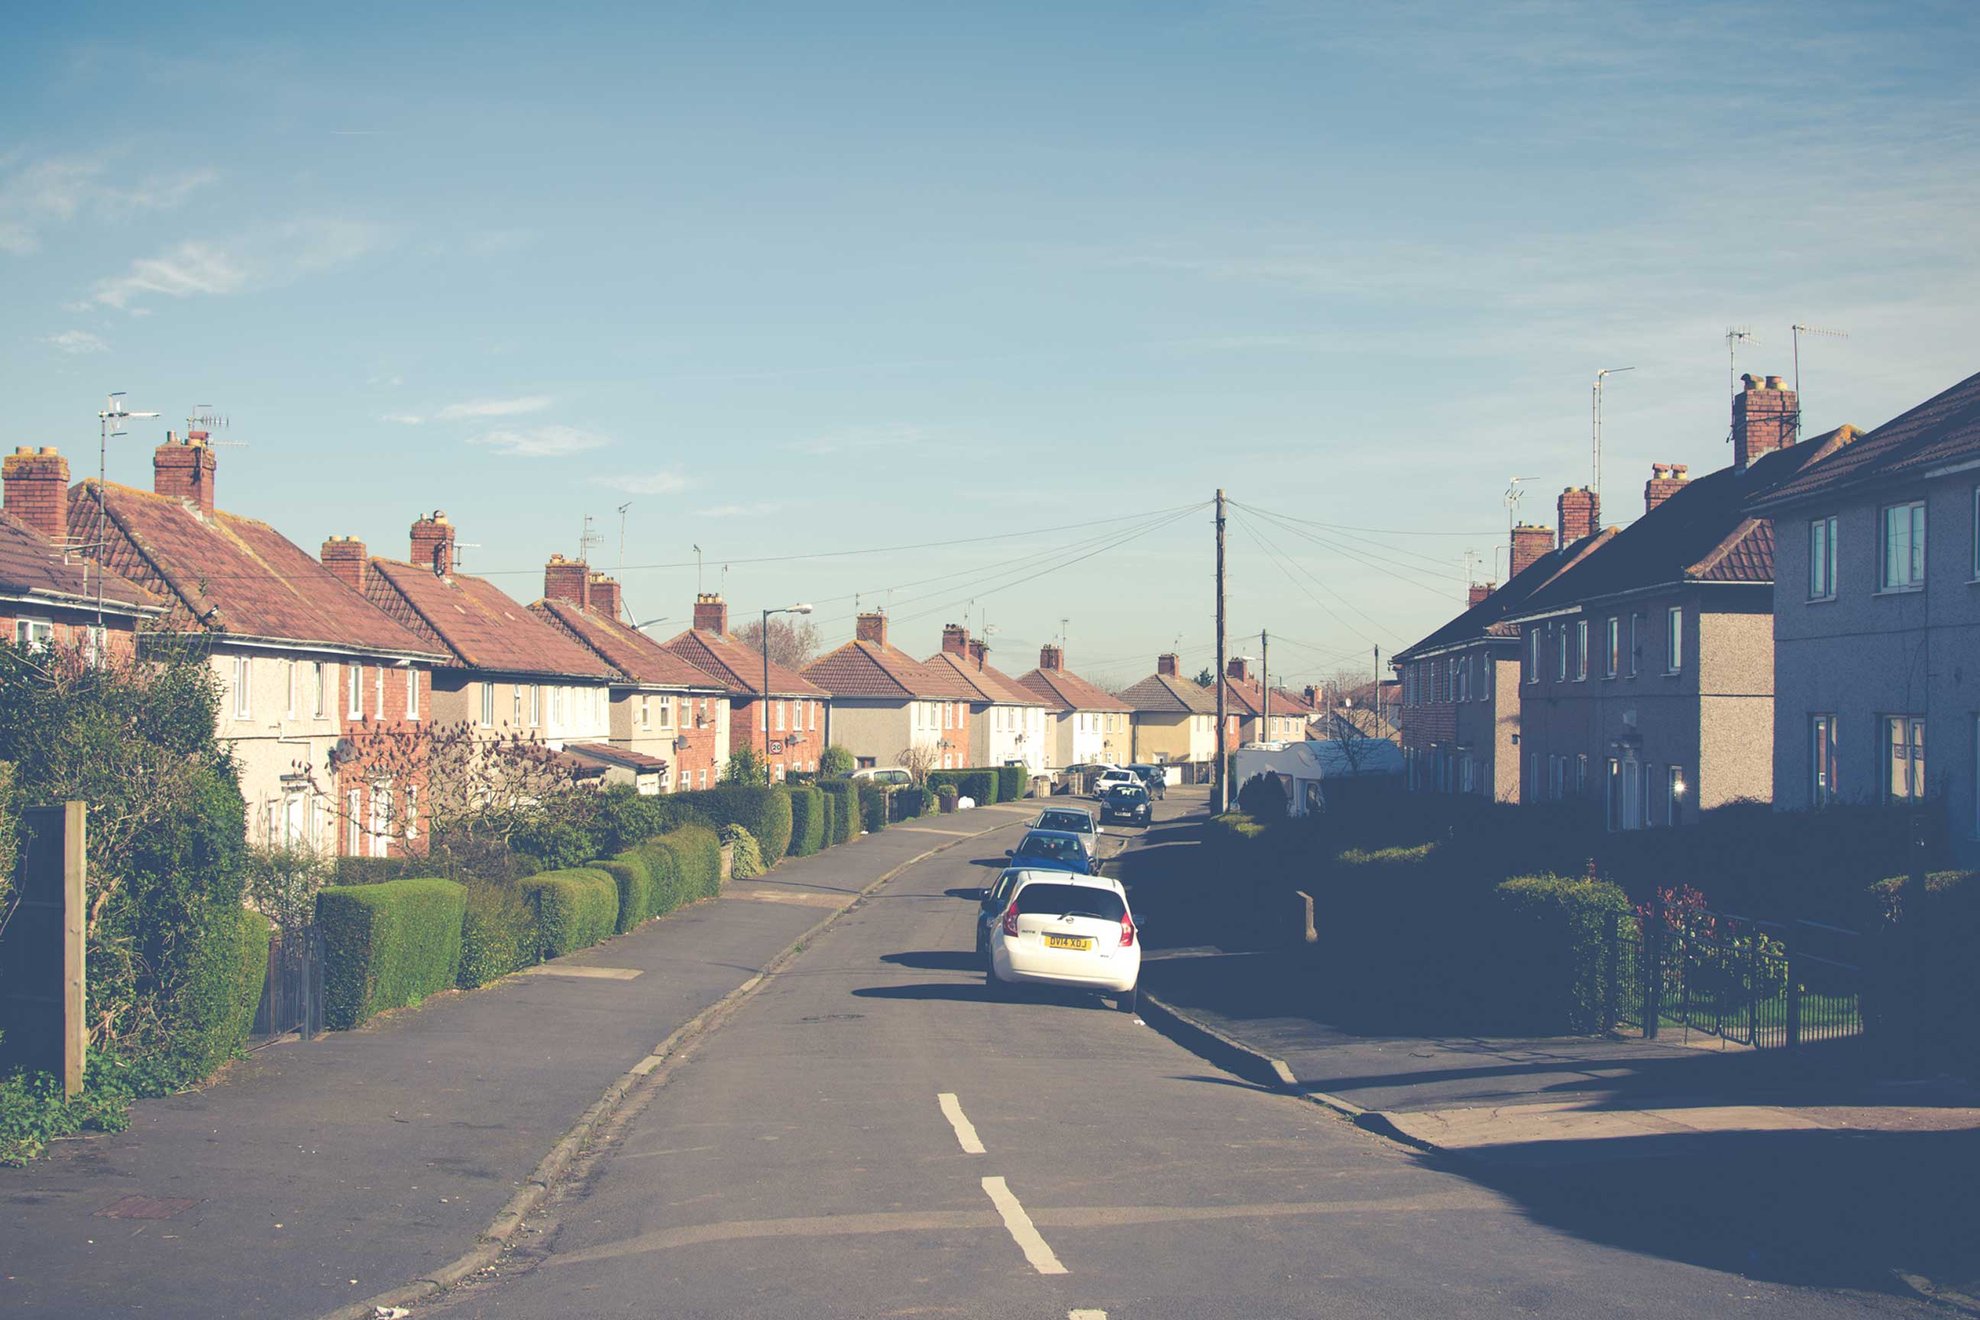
x,y
320,675
243,687
291,672
1822,558
412,692
35,634
1909,576
487,705
1674,639
1561,656
1673,800
1533,653
1581,650
1611,661
1635,642
1904,735
1822,748
535,705
354,703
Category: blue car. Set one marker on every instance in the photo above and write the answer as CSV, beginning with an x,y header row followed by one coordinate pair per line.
x,y
1054,850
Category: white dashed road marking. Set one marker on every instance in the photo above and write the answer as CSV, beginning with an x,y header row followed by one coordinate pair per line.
x,y
583,972
1086,1315
1021,1229
965,1130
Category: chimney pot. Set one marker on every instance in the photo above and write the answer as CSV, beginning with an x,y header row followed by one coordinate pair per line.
x,y
1764,418
1479,591
1666,480
1580,511
36,490
567,580
955,639
1239,668
604,595
711,614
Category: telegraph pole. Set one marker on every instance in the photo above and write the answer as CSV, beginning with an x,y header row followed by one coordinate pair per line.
x,y
1222,796
1265,685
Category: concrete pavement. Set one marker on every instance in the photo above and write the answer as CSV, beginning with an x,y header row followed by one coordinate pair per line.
x,y
312,1176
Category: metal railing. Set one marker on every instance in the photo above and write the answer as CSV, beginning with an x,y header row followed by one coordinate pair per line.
x,y
292,991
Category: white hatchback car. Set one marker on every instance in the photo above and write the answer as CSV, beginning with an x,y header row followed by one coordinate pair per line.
x,y
1068,930
1109,778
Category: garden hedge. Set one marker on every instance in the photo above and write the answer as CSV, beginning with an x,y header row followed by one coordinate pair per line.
x,y
912,802
764,812
1553,939
498,933
745,857
807,819
1923,990
686,864
575,908
847,807
634,878
872,806
980,784
1013,782
222,988
828,816
387,945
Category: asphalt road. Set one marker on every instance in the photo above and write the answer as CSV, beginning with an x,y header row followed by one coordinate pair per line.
x,y
804,1162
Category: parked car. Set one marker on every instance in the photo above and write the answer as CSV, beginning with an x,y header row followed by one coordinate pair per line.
x,y
1110,777
1154,778
1073,820
990,908
1055,850
1128,802
891,777
1070,931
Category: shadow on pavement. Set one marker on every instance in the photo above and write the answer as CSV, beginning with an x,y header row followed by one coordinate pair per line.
x,y
973,992
937,960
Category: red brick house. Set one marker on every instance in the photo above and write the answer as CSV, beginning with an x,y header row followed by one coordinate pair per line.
x,y
887,706
797,709
1256,718
670,720
50,593
1088,723
1007,721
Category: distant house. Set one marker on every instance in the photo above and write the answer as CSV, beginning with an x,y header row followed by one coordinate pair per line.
x,y
1007,721
1460,707
794,708
1877,619
1175,721
887,705
669,720
1279,716
51,593
1088,722
1647,666
292,647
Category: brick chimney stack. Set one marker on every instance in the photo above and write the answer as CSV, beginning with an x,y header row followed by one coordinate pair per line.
x,y
37,490
1530,544
1479,591
1238,668
604,595
1580,511
978,650
1166,662
1666,480
183,470
955,640
1051,657
871,628
1765,418
711,614
433,544
567,580
345,558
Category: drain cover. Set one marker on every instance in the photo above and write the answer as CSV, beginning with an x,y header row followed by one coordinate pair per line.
x,y
147,1207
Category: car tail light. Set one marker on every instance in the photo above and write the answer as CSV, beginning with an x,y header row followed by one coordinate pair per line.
x,y
1010,920
1127,931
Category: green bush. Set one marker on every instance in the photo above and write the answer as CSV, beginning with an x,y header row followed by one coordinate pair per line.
x,y
872,806
1557,953
745,860
498,934
686,864
1922,995
980,784
835,762
634,879
946,796
764,812
1263,797
807,820
1012,782
828,814
846,807
387,945
575,908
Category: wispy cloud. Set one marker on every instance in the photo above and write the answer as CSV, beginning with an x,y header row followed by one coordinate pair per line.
x,y
263,258
650,483
402,419
76,341
540,441
481,408
60,190
849,439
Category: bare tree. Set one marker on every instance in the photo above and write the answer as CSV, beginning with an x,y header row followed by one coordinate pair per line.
x,y
793,640
1346,730
917,760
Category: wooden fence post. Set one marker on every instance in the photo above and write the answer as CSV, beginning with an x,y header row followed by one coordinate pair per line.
x,y
42,974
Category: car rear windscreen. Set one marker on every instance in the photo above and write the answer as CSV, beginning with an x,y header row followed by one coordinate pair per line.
x,y
1075,821
1059,849
1071,900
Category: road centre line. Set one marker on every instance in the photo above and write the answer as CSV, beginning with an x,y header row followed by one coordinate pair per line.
x,y
1021,1229
1086,1314
965,1130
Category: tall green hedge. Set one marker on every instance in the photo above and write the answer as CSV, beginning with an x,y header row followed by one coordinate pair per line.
x,y
983,784
575,908
1555,941
828,816
1012,782
222,988
764,812
686,864
1923,990
498,933
844,794
872,806
807,820
387,945
634,878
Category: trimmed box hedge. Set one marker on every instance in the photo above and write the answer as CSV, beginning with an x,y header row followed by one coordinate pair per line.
x,y
764,812
634,878
222,988
1555,939
387,945
1013,782
575,908
828,810
872,805
846,807
686,864
807,820
982,783
498,933
1923,985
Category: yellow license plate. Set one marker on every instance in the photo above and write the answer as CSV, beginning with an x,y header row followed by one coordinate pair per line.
x,y
1068,942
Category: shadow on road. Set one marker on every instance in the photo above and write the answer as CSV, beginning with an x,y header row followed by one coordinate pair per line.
x,y
973,894
937,960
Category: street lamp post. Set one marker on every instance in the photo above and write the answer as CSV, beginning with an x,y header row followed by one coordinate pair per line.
x,y
763,637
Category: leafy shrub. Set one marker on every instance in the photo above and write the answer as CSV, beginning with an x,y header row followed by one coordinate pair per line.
x,y
846,807
10,835
745,860
1263,797
686,864
1554,940
807,820
835,762
746,768
498,934
872,806
764,812
224,976
946,796
828,818
575,908
553,843
634,878
387,945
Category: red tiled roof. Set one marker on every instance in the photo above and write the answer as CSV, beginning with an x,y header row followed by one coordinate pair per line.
x,y
738,667
1944,429
477,622
1168,694
627,650
1488,616
1066,690
992,686
1245,697
624,756
234,575
874,671
32,565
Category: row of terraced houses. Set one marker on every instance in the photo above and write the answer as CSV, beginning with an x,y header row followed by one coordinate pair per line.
x,y
1796,627
313,651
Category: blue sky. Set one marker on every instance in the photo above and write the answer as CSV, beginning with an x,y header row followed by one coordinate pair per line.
x,y
805,278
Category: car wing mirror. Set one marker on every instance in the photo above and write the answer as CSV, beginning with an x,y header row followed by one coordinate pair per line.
x,y
1010,852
